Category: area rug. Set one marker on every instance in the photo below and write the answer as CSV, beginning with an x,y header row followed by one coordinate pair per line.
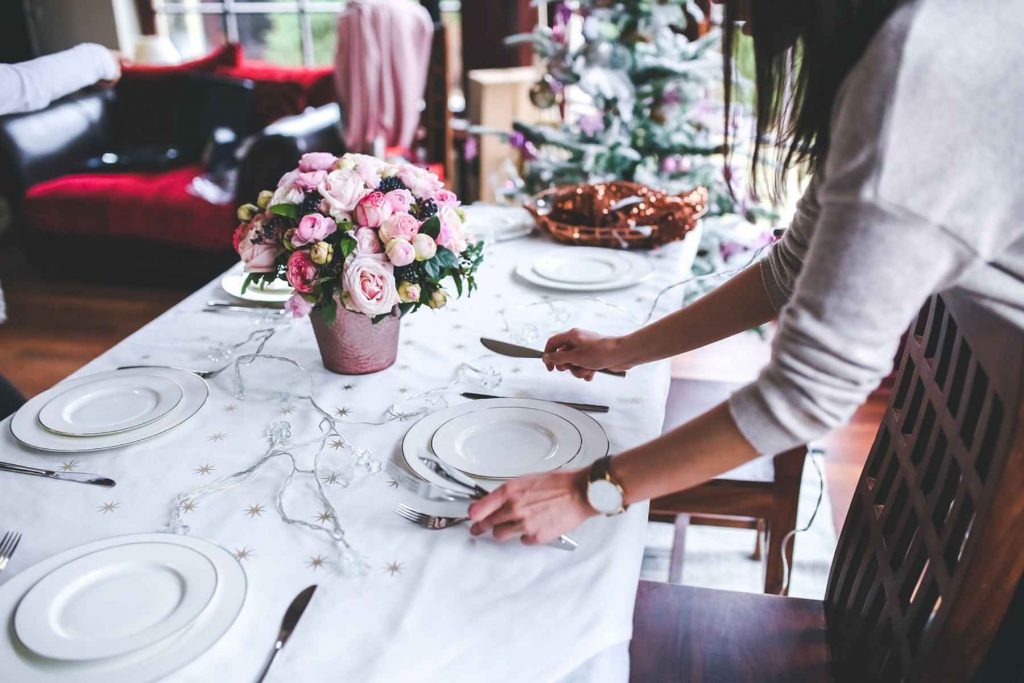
x,y
718,557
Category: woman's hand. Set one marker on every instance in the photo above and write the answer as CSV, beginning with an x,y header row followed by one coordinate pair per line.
x,y
582,353
538,508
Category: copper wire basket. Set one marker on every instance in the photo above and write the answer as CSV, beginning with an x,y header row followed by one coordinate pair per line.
x,y
617,214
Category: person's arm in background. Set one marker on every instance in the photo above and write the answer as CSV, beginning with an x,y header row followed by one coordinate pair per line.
x,y
749,299
30,86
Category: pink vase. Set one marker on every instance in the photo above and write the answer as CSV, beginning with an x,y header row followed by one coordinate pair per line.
x,y
353,345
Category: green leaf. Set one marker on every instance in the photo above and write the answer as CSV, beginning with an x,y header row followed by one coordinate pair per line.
x,y
431,226
446,258
249,279
329,311
289,210
408,308
377,318
432,269
458,282
348,245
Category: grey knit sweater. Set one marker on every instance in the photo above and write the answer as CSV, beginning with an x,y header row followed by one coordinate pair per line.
x,y
921,192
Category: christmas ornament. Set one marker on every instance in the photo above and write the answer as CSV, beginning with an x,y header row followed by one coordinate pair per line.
x,y
542,95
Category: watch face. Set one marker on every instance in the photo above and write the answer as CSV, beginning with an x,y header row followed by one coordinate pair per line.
x,y
604,496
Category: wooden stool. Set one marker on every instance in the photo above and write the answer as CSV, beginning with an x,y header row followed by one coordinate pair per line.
x,y
930,554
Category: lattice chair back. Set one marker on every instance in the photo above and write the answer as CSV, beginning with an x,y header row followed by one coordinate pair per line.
x,y
933,545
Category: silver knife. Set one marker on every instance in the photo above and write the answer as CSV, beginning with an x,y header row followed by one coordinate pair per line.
x,y
215,303
291,618
515,351
77,477
589,407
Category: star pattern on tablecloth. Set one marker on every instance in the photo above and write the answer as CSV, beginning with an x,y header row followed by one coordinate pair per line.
x,y
316,562
230,408
516,370
341,412
337,444
407,342
324,517
68,466
287,410
189,505
107,507
217,436
460,347
393,568
254,511
145,356
203,470
330,478
349,387
392,483
403,390
632,400
243,553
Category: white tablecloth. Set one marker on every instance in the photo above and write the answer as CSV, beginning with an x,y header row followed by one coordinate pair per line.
x,y
435,605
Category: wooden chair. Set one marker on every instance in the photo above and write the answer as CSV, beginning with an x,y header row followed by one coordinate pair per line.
x,y
761,495
931,551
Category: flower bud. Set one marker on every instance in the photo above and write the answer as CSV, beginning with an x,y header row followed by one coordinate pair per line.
x,y
246,212
321,253
400,252
438,299
263,201
424,246
408,292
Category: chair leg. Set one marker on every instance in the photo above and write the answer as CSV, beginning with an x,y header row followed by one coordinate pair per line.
x,y
788,473
759,541
675,565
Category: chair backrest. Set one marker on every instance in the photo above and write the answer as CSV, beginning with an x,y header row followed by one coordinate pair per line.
x,y
933,545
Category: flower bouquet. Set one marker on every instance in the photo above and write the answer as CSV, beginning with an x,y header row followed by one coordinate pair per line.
x,y
362,242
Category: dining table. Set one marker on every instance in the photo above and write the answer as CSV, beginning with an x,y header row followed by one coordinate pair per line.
x,y
428,605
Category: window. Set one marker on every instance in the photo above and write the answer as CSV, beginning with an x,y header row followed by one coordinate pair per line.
x,y
285,32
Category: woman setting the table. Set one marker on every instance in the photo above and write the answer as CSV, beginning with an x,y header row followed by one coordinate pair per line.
x,y
908,135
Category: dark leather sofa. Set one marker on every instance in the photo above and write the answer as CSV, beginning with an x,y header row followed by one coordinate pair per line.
x,y
139,224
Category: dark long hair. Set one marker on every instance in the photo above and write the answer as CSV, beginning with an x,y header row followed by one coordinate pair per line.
x,y
803,50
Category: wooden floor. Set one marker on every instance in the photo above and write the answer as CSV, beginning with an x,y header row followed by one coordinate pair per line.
x,y
55,328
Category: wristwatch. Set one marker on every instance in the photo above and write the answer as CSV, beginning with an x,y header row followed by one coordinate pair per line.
x,y
604,493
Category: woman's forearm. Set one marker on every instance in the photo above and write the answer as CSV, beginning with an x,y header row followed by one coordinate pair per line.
x,y
689,455
738,305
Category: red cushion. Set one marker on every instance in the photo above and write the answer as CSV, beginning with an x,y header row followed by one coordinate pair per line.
x,y
150,206
228,55
282,91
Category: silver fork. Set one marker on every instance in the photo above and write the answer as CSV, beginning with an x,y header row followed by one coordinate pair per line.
x,y
427,521
205,374
8,544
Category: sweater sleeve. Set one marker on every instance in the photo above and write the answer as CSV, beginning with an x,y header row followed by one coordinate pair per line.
x,y
32,85
865,276
781,267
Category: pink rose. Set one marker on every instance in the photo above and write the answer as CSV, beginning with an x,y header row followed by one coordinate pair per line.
x,y
367,241
451,235
368,168
310,180
301,272
399,225
313,228
420,181
369,282
258,258
289,178
399,200
317,161
372,210
400,252
445,198
297,306
342,191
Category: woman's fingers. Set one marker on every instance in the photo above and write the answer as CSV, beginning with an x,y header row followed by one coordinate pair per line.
x,y
508,530
501,516
489,504
561,339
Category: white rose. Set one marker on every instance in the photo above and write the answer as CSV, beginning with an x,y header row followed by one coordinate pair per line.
x,y
421,182
341,191
287,195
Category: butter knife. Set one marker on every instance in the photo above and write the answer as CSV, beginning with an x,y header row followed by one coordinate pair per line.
x,y
77,477
588,407
515,351
291,618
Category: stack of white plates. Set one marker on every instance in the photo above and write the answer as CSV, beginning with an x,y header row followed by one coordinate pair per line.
x,y
273,293
109,409
499,223
130,608
493,440
585,269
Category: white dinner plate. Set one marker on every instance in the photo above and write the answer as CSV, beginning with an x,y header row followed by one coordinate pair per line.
x,y
583,266
417,439
111,405
585,269
276,292
499,223
18,663
26,428
502,443
115,601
